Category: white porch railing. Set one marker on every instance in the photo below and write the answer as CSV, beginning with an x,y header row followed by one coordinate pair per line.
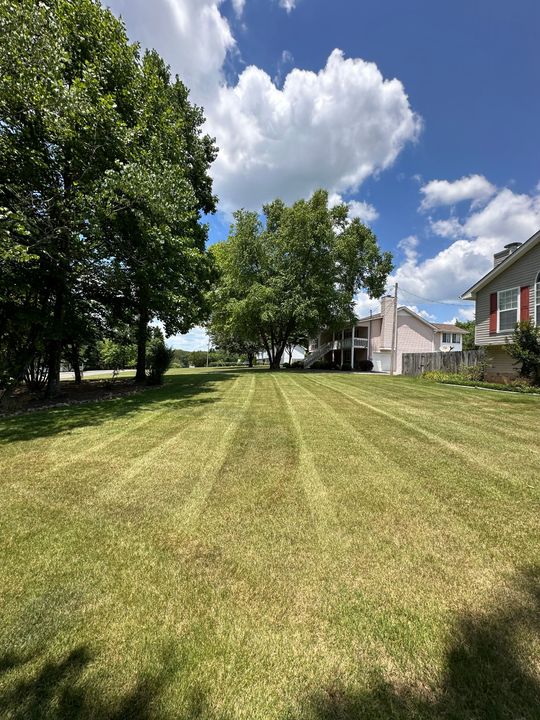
x,y
318,353
321,351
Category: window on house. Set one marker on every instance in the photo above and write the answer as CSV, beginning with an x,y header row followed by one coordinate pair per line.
x,y
447,337
537,300
508,309
456,338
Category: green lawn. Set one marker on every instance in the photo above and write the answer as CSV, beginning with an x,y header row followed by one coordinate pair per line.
x,y
254,545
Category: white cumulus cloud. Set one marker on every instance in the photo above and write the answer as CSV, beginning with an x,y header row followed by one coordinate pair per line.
x,y
507,217
364,211
332,128
288,5
238,6
444,192
195,339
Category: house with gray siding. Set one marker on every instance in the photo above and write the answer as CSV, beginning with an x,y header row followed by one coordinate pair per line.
x,y
382,336
507,294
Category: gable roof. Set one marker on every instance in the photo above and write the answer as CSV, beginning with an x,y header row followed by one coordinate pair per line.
x,y
449,327
436,327
502,266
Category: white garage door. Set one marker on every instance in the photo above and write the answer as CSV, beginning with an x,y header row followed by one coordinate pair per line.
x,y
381,361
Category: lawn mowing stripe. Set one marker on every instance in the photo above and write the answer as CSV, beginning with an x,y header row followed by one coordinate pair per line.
x,y
180,414
432,437
462,430
321,507
414,400
192,508
409,475
497,497
159,450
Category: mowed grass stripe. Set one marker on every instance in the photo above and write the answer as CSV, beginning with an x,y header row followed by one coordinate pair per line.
x,y
414,427
216,459
477,493
494,449
317,496
457,419
389,475
421,607
162,480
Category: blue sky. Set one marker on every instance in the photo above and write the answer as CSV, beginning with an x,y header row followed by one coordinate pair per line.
x,y
425,115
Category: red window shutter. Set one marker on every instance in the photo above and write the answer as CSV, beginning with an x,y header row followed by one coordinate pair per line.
x,y
493,313
524,303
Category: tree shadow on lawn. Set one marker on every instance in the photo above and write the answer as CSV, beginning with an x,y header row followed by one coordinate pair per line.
x,y
57,691
178,392
486,675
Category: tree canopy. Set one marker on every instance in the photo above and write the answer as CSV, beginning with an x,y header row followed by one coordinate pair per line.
x,y
103,182
294,273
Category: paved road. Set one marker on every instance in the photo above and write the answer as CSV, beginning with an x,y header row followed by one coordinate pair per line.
x,y
91,373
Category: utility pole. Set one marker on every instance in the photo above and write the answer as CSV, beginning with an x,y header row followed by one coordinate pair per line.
x,y
393,358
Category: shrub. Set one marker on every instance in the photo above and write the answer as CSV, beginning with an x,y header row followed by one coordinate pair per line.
x,y
525,349
323,365
346,367
447,378
158,360
365,366
473,372
297,364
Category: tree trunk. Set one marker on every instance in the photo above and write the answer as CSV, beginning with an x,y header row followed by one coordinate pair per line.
x,y
275,358
54,347
142,331
76,363
250,359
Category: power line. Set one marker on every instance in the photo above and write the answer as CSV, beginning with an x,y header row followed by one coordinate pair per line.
x,y
434,302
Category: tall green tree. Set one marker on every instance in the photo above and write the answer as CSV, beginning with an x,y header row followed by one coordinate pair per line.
x,y
296,273
223,339
468,341
66,100
154,207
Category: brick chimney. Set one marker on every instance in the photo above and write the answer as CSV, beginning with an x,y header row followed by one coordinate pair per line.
x,y
503,254
388,303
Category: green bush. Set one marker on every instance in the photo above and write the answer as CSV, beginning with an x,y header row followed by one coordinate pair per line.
x,y
323,365
158,360
365,366
457,379
473,372
525,350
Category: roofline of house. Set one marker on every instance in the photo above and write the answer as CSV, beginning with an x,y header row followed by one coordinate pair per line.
x,y
417,316
502,266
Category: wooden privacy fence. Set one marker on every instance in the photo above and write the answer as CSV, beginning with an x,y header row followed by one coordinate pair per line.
x,y
417,363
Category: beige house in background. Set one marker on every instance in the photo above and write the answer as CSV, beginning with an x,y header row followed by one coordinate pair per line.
x,y
370,338
508,293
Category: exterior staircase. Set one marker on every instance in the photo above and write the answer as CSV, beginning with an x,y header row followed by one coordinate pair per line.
x,y
318,354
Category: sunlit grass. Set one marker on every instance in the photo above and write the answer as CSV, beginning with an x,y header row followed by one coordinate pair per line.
x,y
252,545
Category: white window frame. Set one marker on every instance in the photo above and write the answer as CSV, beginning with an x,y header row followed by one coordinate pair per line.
x,y
446,342
499,308
536,299
459,338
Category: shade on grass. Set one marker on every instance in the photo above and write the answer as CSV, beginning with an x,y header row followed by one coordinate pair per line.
x,y
255,545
